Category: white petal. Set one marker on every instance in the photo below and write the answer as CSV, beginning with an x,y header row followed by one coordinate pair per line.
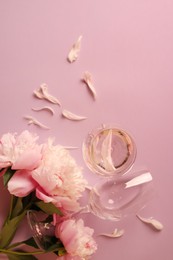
x,y
48,96
106,150
38,93
49,109
87,78
42,93
32,120
74,52
71,116
115,234
153,222
143,178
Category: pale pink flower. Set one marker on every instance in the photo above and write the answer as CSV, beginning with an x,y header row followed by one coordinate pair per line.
x,y
76,238
60,179
20,151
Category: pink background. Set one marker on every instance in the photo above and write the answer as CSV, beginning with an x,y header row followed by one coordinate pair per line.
x,y
127,47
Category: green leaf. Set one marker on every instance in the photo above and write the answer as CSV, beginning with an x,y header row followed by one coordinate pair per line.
x,y
17,209
9,229
31,242
7,176
21,257
48,208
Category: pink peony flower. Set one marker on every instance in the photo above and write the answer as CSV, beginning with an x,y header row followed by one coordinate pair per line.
x,y
60,179
20,152
76,238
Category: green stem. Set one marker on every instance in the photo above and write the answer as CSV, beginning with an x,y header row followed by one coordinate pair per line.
x,y
2,251
11,207
10,211
14,245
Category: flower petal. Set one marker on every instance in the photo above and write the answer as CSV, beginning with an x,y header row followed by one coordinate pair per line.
x,y
153,222
87,78
21,183
115,234
42,93
29,160
71,116
106,151
46,108
73,54
34,121
42,196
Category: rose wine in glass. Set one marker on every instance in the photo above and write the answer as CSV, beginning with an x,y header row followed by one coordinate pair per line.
x,y
109,151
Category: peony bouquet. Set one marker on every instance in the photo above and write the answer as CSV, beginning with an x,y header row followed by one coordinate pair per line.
x,y
43,178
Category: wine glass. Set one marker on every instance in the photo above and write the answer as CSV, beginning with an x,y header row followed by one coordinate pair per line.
x,y
113,199
42,230
109,151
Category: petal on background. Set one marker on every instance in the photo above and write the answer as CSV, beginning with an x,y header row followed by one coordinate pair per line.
x,y
21,183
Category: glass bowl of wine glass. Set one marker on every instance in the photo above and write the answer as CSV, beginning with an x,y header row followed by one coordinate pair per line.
x,y
114,199
109,151
42,229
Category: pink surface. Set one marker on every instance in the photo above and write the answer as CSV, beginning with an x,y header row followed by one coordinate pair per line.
x,y
127,47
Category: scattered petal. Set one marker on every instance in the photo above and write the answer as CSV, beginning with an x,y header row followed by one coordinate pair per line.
x,y
115,234
96,152
106,150
42,93
49,109
72,116
74,52
87,78
32,120
38,94
151,221
143,178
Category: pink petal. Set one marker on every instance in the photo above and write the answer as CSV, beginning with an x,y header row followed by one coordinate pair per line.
x,y
29,160
42,196
5,164
21,183
66,203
